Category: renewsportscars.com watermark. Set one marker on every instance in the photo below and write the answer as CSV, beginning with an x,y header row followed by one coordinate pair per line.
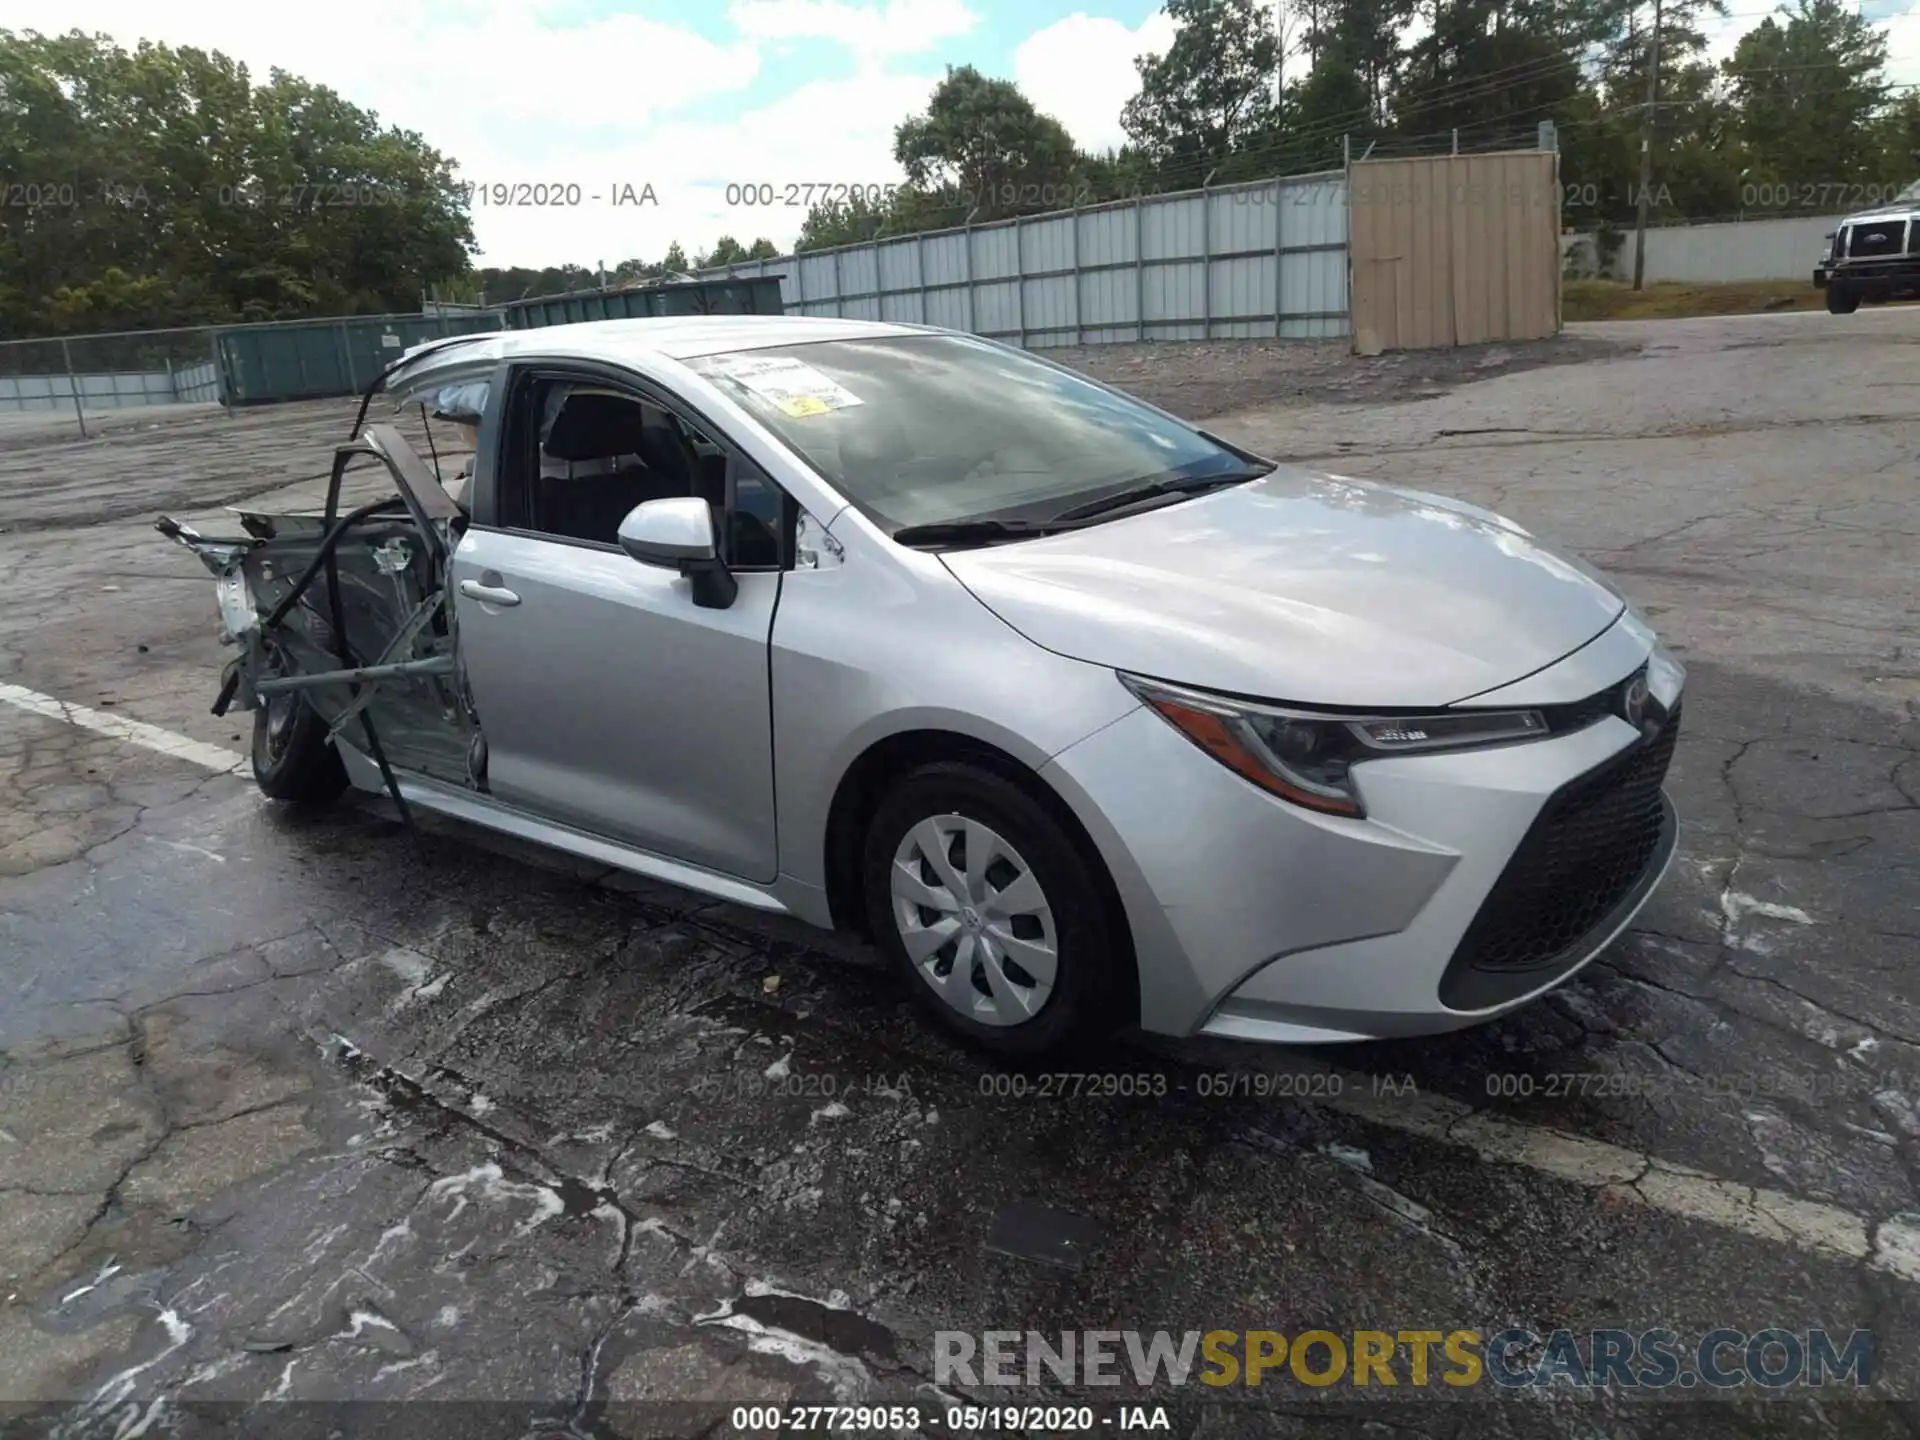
x,y
1513,1358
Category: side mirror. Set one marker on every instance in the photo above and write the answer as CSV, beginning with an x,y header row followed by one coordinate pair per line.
x,y
676,533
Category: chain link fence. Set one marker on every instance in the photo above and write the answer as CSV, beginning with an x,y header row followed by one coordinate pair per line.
x,y
87,375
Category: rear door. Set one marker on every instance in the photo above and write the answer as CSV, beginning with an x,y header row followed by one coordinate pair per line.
x,y
610,702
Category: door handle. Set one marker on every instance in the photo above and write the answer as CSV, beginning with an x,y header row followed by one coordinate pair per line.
x,y
488,594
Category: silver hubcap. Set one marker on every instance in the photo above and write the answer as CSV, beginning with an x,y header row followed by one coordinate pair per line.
x,y
974,920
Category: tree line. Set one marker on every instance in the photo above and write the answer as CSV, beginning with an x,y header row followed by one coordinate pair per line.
x,y
494,284
164,186
157,187
1800,118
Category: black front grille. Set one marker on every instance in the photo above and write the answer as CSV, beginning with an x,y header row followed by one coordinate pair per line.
x,y
1872,238
1587,849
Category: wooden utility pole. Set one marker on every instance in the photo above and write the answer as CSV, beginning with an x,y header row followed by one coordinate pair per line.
x,y
1280,64
1646,155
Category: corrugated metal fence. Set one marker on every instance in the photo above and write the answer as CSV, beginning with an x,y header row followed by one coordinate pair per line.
x,y
1263,259
111,390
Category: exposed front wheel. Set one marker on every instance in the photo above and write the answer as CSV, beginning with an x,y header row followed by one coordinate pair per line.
x,y
990,912
292,759
1842,299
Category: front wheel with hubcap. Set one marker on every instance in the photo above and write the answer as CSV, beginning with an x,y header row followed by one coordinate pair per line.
x,y
989,908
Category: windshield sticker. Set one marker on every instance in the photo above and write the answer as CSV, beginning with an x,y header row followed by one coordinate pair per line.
x,y
791,386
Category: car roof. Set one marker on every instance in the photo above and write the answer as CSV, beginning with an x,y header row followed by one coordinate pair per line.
x,y
677,337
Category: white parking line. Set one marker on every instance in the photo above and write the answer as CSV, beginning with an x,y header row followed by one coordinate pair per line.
x,y
1625,1177
134,732
1628,1177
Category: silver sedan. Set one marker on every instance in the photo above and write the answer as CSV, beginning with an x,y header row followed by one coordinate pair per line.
x,y
1081,714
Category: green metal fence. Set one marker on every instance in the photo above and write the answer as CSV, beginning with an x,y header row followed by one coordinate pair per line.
x,y
311,359
746,295
283,360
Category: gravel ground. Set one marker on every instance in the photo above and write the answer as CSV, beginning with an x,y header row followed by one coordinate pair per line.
x,y
1201,379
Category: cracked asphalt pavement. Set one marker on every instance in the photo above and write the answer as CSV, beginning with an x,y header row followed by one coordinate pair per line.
x,y
309,1109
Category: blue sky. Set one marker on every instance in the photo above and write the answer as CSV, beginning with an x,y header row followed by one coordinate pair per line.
x,y
685,97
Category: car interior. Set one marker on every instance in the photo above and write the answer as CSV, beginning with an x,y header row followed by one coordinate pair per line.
x,y
602,452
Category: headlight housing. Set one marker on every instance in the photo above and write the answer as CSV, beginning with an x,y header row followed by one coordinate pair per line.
x,y
1307,757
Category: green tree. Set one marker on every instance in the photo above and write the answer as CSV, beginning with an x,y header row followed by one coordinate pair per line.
x,y
1211,89
849,221
981,142
1363,37
1807,92
1487,65
173,190
1118,174
518,282
728,251
1897,137
1331,103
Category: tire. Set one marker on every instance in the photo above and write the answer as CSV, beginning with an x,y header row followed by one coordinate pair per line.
x,y
992,946
293,760
1842,299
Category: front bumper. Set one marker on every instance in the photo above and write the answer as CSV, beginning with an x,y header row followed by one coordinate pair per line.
x,y
1889,275
1253,919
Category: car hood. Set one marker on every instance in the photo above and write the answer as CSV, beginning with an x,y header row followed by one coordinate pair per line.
x,y
1304,587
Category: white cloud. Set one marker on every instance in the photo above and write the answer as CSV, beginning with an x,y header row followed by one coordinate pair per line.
x,y
451,72
826,133
1080,71
897,27
1902,32
518,95
1903,47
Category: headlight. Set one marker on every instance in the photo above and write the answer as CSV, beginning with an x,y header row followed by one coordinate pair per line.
x,y
1308,758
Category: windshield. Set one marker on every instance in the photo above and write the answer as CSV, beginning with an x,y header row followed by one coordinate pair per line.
x,y
1912,192
928,429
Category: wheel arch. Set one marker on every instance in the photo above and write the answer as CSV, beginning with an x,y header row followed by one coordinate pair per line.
x,y
866,781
